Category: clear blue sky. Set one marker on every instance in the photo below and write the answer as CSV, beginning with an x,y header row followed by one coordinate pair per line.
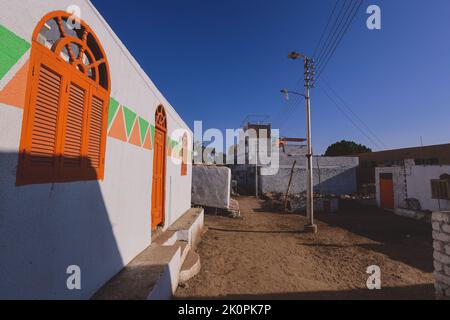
x,y
218,61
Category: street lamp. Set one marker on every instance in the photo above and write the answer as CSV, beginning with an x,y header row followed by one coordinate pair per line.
x,y
310,227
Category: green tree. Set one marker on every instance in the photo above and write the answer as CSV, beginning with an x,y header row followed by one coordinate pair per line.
x,y
346,148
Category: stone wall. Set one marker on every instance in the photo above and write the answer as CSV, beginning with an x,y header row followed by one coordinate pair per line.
x,y
441,244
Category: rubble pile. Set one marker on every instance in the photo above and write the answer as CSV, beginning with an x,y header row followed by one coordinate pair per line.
x,y
297,202
234,208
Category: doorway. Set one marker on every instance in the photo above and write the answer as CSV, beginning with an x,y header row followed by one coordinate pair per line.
x,y
386,191
159,169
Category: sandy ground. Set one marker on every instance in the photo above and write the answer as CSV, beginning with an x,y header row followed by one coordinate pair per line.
x,y
266,255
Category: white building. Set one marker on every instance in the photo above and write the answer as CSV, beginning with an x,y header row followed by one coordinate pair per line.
x,y
93,157
413,187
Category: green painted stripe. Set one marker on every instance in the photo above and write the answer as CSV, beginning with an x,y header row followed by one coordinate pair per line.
x,y
152,128
130,116
113,106
174,147
143,126
12,48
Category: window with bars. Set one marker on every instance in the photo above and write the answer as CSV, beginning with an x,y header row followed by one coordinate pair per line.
x,y
65,117
440,189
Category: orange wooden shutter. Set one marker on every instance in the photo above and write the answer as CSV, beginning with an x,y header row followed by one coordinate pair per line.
x,y
74,128
96,141
38,156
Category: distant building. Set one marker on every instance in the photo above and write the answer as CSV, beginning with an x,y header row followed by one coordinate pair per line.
x,y
427,155
332,175
409,188
254,131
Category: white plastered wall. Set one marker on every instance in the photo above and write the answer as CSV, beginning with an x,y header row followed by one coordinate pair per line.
x,y
418,185
97,225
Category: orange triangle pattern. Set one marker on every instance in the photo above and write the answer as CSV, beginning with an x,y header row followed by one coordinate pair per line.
x,y
117,129
135,137
148,141
13,93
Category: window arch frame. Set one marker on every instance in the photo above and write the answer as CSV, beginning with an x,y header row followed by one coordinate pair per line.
x,y
94,92
161,118
63,14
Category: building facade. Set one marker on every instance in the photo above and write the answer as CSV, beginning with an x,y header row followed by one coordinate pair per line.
x,y
331,175
413,187
426,155
93,158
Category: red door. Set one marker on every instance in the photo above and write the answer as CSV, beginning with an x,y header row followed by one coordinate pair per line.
x,y
386,191
158,178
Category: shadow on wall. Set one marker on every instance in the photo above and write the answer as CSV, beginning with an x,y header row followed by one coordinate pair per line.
x,y
331,181
44,228
342,183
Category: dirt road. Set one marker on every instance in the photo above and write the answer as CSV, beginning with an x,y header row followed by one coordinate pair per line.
x,y
266,255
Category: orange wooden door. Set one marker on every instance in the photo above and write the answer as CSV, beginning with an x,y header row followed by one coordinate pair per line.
x,y
386,191
158,182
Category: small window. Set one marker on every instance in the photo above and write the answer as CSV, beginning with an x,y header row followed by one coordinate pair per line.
x,y
440,189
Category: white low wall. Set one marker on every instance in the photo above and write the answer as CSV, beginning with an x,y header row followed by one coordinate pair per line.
x,y
211,186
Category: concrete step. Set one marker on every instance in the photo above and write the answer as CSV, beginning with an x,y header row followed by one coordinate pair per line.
x,y
151,275
184,250
155,273
188,227
167,238
191,266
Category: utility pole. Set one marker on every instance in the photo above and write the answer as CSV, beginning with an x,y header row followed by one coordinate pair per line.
x,y
256,171
309,79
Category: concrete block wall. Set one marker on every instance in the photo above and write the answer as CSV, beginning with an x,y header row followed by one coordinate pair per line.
x,y
441,244
331,175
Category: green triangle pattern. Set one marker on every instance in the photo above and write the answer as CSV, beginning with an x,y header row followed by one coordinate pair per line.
x,y
152,131
12,48
143,126
130,116
113,106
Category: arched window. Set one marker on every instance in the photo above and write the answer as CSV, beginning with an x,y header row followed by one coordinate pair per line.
x,y
65,117
184,155
160,118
